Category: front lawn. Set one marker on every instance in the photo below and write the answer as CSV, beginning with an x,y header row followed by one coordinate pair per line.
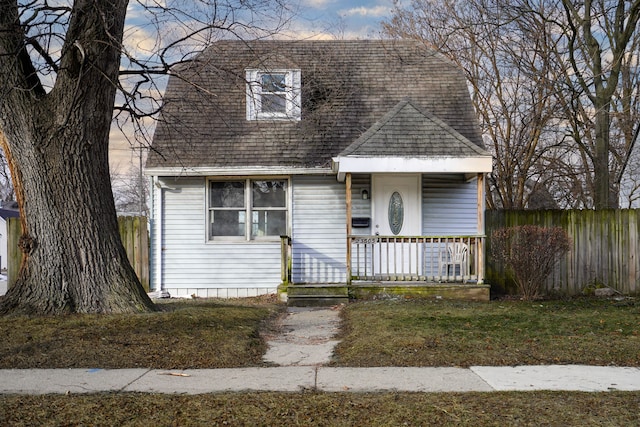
x,y
445,333
224,334
216,334
183,334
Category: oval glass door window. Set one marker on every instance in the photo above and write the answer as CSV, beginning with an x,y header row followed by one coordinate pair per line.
x,y
396,213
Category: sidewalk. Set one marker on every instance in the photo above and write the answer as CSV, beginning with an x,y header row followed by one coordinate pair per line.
x,y
326,379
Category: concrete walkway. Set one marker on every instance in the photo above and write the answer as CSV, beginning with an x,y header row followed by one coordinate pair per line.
x,y
299,354
307,337
299,378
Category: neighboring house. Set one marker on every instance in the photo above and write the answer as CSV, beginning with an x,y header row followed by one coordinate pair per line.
x,y
5,214
325,168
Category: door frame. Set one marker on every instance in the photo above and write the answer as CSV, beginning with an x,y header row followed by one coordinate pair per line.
x,y
378,206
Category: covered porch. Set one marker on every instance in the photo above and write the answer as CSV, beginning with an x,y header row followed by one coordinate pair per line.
x,y
414,205
437,259
413,265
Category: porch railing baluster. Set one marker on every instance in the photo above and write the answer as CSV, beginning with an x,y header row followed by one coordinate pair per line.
x,y
422,258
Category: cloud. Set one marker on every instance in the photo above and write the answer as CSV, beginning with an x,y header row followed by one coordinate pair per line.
x,y
368,12
139,41
318,4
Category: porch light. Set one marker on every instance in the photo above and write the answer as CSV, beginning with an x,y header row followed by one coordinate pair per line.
x,y
365,194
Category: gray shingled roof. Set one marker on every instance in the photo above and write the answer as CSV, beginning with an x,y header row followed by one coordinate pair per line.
x,y
347,87
405,131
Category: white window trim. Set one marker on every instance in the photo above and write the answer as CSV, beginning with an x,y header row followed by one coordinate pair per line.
x,y
293,95
247,238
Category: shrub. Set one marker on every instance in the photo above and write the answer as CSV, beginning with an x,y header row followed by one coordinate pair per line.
x,y
530,253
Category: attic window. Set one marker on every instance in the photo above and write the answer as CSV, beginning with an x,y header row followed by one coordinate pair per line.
x,y
273,95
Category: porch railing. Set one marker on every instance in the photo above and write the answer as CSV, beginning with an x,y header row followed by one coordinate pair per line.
x,y
417,258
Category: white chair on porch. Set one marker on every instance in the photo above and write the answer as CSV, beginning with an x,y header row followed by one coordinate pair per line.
x,y
455,255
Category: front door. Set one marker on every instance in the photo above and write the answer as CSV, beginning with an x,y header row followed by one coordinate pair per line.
x,y
396,212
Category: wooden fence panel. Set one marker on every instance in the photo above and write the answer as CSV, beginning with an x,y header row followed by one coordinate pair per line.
x,y
604,248
135,239
134,235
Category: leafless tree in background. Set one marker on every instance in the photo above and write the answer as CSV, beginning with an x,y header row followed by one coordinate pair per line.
x,y
553,82
130,192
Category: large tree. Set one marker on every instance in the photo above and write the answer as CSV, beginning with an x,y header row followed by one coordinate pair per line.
x,y
60,63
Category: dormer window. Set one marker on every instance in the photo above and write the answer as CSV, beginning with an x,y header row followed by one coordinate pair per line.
x,y
273,95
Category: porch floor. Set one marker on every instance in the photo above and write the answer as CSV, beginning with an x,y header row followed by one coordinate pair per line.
x,y
332,293
421,289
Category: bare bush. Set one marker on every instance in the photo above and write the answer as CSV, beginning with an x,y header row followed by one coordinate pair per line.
x,y
530,253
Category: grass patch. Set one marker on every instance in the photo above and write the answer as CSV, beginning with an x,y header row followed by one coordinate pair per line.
x,y
324,409
184,334
227,333
216,334
453,333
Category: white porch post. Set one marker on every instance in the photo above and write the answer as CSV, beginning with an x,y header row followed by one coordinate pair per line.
x,y
348,206
481,230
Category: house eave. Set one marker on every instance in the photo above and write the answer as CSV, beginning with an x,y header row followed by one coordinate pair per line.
x,y
236,171
444,164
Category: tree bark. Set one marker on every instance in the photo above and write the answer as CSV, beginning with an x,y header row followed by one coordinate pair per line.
x,y
57,148
602,193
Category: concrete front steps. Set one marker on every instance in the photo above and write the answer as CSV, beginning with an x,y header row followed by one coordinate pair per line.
x,y
317,295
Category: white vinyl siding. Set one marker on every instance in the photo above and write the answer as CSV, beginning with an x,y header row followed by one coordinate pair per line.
x,y
191,265
361,208
449,205
449,208
319,230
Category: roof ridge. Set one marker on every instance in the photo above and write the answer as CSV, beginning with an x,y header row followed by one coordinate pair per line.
x,y
386,118
451,130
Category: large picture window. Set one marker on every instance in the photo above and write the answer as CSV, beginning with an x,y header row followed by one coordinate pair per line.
x,y
249,209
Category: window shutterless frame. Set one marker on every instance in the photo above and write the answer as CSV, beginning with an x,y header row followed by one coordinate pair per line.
x,y
273,94
248,209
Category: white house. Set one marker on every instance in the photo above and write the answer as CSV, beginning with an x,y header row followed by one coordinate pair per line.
x,y
325,169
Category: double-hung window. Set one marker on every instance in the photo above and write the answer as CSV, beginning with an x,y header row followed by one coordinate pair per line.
x,y
273,94
247,209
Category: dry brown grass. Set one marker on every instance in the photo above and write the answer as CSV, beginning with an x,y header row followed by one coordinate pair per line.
x,y
209,334
325,409
184,334
449,333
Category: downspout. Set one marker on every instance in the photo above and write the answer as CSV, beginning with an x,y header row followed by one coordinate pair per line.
x,y
156,194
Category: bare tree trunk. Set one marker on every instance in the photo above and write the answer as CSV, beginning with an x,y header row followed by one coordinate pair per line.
x,y
57,147
601,197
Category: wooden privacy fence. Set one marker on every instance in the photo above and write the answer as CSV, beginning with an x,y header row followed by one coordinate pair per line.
x,y
133,232
604,249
